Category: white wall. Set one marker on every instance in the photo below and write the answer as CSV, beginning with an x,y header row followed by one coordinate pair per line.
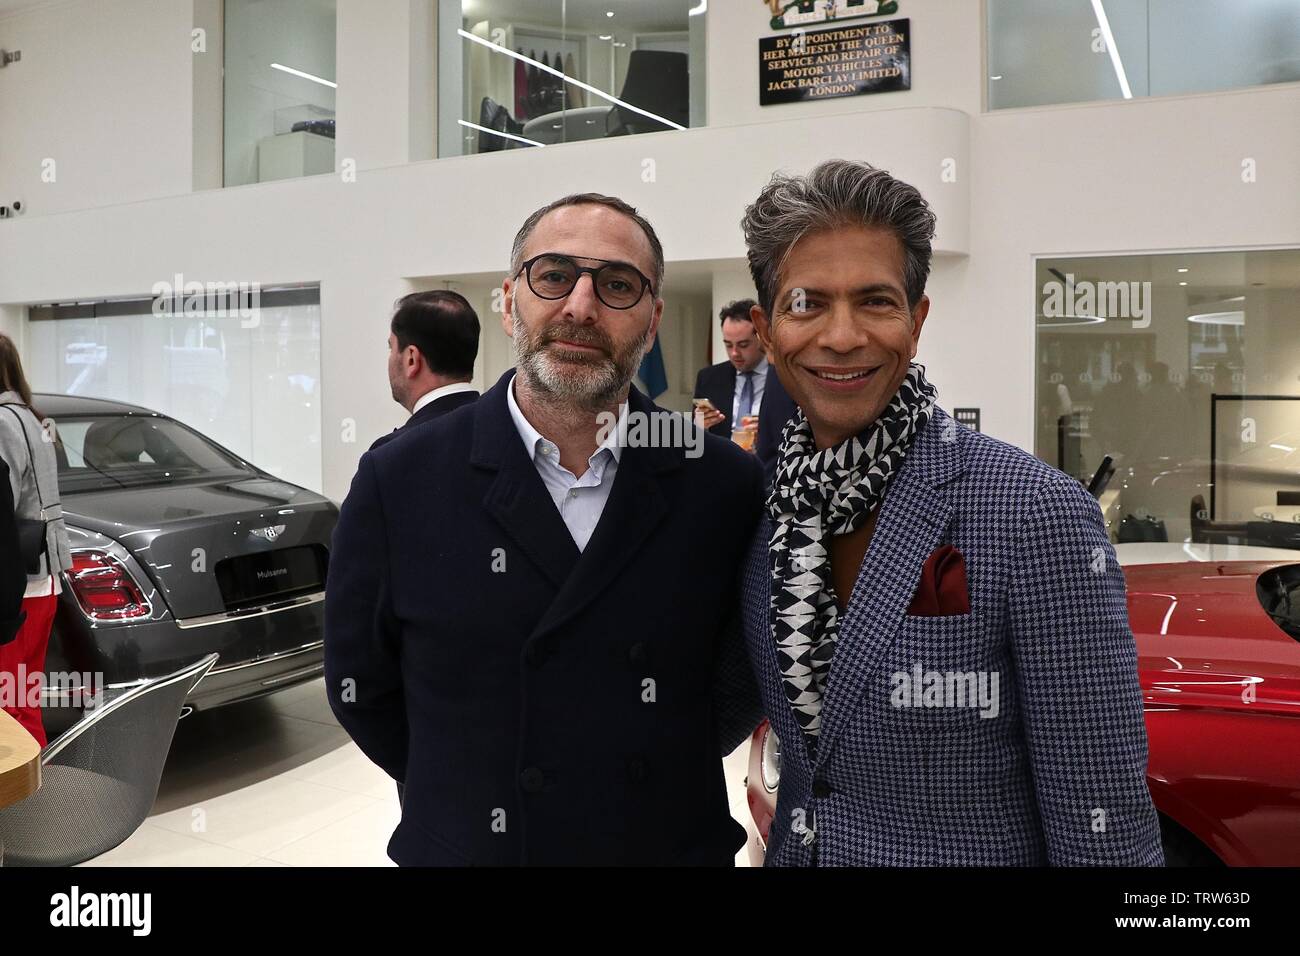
x,y
103,90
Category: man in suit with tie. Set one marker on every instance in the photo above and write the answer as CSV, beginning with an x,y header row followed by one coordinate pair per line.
x,y
734,387
937,619
432,344
496,629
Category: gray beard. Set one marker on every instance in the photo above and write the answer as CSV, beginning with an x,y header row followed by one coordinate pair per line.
x,y
590,388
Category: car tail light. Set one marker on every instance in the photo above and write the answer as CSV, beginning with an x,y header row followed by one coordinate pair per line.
x,y
105,589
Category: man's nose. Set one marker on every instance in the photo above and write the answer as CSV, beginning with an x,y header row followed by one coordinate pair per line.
x,y
582,303
841,333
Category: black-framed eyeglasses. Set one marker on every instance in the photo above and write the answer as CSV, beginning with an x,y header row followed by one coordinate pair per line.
x,y
552,275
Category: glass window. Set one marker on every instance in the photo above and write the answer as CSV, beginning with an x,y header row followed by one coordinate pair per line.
x,y
1072,51
119,451
252,387
525,73
279,89
1185,370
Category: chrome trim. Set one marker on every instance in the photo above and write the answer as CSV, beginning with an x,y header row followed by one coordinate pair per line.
x,y
225,617
305,649
54,747
317,668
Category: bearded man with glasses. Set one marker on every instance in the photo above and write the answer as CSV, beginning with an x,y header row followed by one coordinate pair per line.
x,y
515,627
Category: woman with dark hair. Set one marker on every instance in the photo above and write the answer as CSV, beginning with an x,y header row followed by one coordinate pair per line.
x,y
33,480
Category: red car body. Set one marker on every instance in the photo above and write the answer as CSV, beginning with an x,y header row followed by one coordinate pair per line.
x,y
1221,685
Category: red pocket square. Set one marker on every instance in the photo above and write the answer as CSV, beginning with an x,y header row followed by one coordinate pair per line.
x,y
942,591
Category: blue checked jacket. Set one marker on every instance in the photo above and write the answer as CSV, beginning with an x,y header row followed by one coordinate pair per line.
x,y
1058,775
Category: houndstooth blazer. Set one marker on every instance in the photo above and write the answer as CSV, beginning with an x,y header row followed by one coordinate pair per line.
x,y
1051,769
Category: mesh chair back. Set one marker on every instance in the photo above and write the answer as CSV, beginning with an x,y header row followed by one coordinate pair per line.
x,y
99,780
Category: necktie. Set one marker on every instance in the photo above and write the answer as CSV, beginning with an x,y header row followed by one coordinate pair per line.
x,y
746,404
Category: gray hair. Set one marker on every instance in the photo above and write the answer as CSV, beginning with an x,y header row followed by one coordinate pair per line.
x,y
838,192
591,199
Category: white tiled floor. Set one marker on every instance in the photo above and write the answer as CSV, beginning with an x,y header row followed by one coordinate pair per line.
x,y
277,782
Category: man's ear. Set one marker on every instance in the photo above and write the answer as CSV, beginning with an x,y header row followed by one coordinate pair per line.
x,y
508,307
414,363
761,327
918,319
655,318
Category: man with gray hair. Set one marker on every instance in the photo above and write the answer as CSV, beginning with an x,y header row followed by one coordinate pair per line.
x,y
936,619
514,626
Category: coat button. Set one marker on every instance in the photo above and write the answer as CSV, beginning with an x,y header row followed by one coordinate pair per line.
x,y
637,769
532,780
821,789
636,654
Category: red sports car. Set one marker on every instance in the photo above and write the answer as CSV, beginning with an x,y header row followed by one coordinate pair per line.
x,y
1218,639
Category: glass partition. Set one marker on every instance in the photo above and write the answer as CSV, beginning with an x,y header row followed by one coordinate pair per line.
x,y
1184,369
248,379
515,74
279,89
1071,51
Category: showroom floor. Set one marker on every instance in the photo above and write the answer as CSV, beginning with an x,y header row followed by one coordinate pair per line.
x,y
277,782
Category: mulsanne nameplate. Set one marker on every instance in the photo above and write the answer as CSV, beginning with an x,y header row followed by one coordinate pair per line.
x,y
847,60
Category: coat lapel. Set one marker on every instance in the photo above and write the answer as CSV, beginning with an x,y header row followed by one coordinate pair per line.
x,y
636,506
912,520
517,498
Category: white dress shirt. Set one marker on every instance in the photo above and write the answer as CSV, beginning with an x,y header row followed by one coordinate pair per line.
x,y
580,501
760,382
434,394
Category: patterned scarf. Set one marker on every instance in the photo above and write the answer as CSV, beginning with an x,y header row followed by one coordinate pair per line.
x,y
817,494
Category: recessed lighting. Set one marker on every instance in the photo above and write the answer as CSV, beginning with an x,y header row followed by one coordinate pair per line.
x,y
306,76
607,36
609,13
1218,318
1184,269
998,77
1182,283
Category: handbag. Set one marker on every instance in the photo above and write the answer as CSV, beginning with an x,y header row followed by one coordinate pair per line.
x,y
33,541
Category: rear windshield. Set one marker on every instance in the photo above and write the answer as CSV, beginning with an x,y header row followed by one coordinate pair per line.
x,y
122,451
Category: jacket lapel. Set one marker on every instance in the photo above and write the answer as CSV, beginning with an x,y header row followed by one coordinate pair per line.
x,y
517,498
912,520
636,506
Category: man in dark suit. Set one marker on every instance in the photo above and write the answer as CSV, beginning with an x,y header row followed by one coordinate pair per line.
x,y
13,579
496,633
432,344
778,408
734,387
936,618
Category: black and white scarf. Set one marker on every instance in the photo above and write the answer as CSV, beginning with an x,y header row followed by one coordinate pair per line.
x,y
817,494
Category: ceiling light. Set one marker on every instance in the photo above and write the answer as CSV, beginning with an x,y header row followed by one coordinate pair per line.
x,y
1183,269
305,76
607,36
1114,51
495,132
1218,318
695,11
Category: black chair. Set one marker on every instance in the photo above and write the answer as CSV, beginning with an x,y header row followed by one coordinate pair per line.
x,y
659,82
100,778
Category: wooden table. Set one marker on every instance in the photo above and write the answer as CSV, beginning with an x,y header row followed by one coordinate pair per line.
x,y
20,765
